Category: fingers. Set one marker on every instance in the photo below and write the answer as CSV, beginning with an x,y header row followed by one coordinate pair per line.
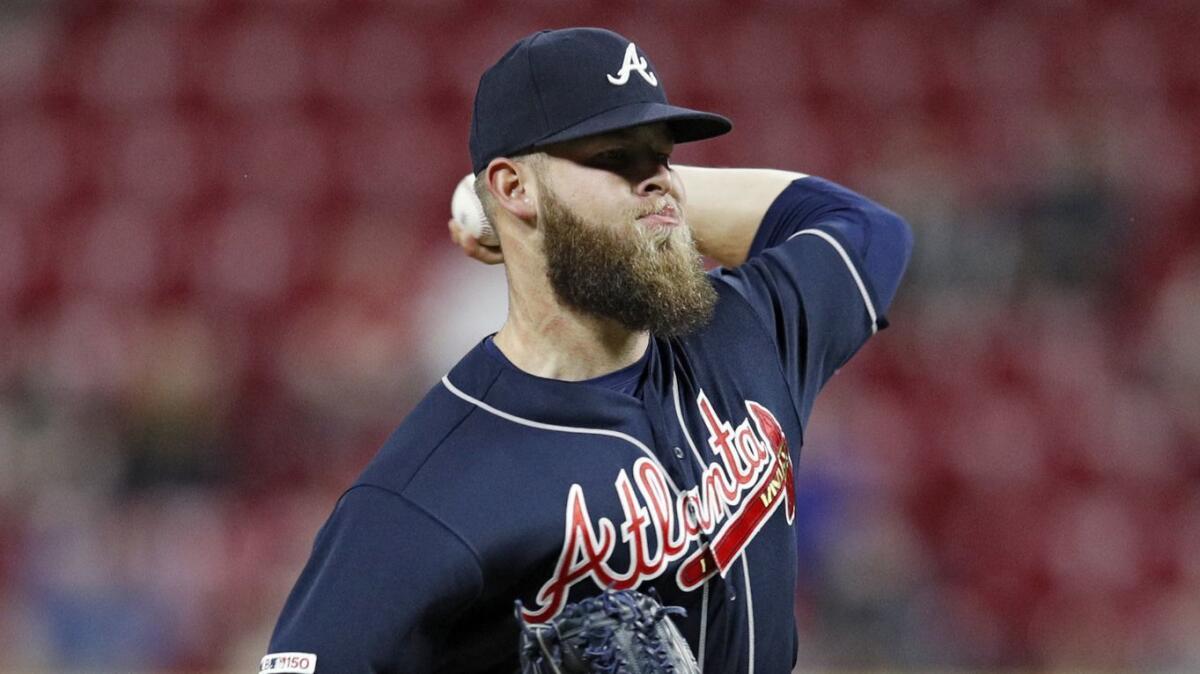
x,y
485,254
472,247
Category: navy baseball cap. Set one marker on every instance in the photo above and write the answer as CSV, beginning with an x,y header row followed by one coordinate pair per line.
x,y
558,85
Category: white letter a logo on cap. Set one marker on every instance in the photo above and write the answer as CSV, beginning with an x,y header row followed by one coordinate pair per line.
x,y
633,62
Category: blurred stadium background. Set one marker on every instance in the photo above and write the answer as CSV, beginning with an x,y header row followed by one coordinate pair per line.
x,y
224,278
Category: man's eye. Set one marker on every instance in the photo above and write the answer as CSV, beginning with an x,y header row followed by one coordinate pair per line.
x,y
610,158
663,159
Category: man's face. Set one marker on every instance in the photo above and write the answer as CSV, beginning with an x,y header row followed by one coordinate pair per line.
x,y
616,240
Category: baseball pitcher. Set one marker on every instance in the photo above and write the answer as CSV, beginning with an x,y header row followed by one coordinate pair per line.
x,y
633,429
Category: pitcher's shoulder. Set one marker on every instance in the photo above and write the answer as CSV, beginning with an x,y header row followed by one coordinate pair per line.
x,y
431,426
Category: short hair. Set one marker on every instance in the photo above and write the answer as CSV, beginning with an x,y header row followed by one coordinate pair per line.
x,y
533,160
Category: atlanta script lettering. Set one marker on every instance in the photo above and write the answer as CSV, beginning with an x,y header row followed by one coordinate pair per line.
x,y
734,498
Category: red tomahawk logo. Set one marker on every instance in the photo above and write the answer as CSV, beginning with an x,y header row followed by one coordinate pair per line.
x,y
774,487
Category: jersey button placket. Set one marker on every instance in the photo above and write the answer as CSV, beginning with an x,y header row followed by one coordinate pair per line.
x,y
678,453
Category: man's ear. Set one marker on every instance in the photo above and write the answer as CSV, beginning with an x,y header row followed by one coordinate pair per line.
x,y
511,184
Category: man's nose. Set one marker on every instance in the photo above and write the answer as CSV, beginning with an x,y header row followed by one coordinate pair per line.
x,y
657,180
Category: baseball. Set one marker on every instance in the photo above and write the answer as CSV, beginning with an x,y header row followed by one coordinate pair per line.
x,y
467,210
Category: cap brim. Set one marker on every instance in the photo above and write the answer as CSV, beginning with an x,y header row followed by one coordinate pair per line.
x,y
686,125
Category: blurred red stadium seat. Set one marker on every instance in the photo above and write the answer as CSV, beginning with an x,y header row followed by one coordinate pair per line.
x,y
134,63
34,159
374,63
243,257
274,154
27,42
258,61
115,255
151,159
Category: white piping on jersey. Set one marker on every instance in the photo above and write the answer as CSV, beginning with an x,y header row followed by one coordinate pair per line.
x,y
695,452
703,625
749,608
862,288
688,436
682,425
564,429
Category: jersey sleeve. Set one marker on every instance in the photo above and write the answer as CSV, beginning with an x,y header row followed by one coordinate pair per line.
x,y
821,273
382,578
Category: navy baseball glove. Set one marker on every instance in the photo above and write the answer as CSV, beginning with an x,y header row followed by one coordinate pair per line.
x,y
624,632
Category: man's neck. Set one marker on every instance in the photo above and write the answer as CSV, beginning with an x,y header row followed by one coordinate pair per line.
x,y
548,340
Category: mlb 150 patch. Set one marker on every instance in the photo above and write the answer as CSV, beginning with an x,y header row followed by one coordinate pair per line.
x,y
288,663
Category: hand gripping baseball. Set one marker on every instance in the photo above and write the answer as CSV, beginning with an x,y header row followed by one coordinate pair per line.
x,y
469,226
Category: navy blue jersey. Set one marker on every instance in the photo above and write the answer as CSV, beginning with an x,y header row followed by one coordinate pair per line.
x,y
502,486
